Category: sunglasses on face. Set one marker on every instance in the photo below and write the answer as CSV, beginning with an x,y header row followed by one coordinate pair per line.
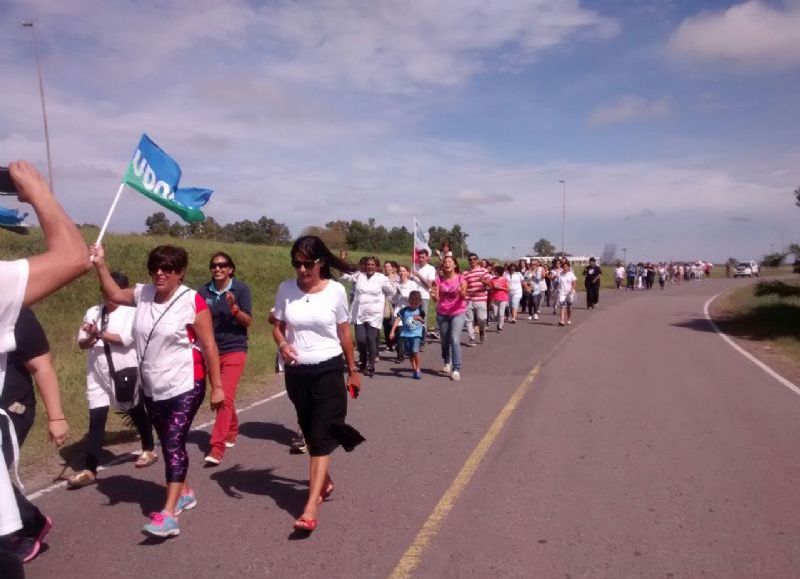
x,y
306,263
167,269
219,265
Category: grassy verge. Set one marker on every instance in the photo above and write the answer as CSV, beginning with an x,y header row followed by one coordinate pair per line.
x,y
261,267
764,318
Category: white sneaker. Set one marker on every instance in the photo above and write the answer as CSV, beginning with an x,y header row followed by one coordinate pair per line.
x,y
446,369
455,376
569,322
530,317
535,316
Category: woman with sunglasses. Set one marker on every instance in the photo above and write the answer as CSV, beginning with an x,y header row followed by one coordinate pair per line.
x,y
231,307
170,321
312,334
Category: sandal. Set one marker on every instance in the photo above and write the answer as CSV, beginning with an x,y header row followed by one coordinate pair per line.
x,y
146,458
81,479
303,524
327,490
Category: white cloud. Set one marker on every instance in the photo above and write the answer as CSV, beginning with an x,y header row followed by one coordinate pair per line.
x,y
629,108
752,33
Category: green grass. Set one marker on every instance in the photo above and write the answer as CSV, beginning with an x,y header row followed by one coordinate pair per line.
x,y
261,267
758,313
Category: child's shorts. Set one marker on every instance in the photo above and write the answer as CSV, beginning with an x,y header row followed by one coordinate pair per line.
x,y
411,345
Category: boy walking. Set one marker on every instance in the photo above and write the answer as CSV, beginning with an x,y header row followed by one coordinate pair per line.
x,y
411,320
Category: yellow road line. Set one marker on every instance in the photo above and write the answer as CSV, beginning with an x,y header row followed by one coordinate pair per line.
x,y
413,555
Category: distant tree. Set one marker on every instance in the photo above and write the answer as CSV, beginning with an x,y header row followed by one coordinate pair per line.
x,y
773,259
609,254
177,229
544,247
157,224
797,196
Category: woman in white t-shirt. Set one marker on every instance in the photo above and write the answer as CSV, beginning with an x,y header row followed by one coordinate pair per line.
x,y
515,280
312,334
619,275
566,292
170,322
107,330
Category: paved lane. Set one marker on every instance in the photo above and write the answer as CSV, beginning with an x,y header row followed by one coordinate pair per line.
x,y
644,448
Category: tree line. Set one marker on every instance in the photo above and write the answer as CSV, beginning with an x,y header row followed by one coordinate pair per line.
x,y
353,235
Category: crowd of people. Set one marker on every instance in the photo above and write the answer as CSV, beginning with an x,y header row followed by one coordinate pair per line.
x,y
157,349
644,275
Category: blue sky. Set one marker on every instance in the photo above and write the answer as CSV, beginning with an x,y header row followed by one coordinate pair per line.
x,y
673,123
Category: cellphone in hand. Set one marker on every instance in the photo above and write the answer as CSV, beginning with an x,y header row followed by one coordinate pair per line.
x,y
6,182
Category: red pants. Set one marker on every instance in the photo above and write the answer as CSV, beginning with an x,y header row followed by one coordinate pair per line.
x,y
226,426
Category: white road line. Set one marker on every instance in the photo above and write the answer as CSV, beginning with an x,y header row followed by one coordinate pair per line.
x,y
125,457
788,383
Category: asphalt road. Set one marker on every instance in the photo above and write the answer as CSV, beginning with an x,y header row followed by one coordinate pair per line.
x,y
645,447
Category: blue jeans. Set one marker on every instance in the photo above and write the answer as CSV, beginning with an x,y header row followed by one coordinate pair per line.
x,y
450,328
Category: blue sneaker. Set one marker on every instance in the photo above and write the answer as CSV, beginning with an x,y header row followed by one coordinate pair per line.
x,y
162,525
417,375
185,502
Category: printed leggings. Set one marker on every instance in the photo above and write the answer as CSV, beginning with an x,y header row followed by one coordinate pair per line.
x,y
172,419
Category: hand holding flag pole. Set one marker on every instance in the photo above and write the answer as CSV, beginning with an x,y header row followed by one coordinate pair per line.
x,y
156,175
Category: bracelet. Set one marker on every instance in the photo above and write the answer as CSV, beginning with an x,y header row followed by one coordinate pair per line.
x,y
57,419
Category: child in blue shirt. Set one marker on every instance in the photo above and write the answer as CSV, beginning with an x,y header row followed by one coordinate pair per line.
x,y
411,319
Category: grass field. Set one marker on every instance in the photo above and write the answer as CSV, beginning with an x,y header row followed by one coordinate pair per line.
x,y
261,267
768,322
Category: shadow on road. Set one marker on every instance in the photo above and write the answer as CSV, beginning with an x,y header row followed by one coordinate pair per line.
x,y
288,494
765,322
267,431
126,489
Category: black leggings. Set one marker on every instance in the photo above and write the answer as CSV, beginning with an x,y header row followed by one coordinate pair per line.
x,y
367,342
97,433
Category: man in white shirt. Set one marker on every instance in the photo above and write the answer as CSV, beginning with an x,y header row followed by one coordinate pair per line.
x,y
425,277
25,282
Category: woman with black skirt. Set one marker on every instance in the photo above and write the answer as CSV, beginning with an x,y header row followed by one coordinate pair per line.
x,y
313,337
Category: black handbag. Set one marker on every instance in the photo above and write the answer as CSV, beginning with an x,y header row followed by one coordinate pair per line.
x,y
125,380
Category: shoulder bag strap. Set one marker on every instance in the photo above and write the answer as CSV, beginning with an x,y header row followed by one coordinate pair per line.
x,y
150,335
106,348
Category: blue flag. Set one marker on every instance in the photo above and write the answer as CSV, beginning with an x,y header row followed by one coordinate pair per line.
x,y
156,175
11,217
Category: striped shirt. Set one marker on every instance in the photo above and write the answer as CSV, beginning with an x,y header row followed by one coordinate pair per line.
x,y
476,290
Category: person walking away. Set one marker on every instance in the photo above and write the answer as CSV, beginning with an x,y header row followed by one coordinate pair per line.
x,y
170,320
450,295
30,361
477,297
228,299
106,332
591,281
411,320
631,277
498,295
25,282
566,292
313,336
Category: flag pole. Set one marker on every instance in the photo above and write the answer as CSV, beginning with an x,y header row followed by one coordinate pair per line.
x,y
108,217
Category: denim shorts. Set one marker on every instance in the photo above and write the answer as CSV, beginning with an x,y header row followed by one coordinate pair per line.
x,y
411,345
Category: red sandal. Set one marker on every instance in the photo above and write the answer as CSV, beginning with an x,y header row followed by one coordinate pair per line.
x,y
327,490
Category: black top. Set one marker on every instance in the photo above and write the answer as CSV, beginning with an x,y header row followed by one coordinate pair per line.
x,y
590,272
31,343
229,334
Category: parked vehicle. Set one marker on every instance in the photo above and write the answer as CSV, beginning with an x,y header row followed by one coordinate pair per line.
x,y
746,269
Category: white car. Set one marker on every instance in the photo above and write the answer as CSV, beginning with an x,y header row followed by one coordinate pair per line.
x,y
746,269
